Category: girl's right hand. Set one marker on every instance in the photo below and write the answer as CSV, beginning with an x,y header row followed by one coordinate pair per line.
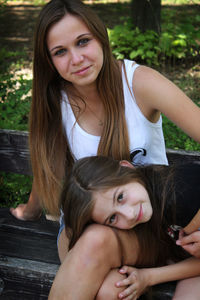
x,y
136,282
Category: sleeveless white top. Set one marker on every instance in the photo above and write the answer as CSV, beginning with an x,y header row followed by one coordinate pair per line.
x,y
147,144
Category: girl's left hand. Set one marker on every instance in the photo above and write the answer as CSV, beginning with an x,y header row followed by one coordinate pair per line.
x,y
191,242
136,282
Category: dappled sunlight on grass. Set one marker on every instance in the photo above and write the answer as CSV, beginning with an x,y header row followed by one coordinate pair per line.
x,y
179,2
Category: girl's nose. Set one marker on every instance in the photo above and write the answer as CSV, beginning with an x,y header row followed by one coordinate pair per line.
x,y
76,57
129,213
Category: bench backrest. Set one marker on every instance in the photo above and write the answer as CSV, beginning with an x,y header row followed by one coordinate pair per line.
x,y
15,157
14,152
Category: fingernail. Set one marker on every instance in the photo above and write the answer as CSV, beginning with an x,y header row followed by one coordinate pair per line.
x,y
178,242
117,284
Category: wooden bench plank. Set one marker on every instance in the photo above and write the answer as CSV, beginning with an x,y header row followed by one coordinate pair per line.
x,y
175,156
15,157
23,279
28,257
29,240
14,153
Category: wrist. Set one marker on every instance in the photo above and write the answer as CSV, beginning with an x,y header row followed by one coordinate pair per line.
x,y
153,276
148,274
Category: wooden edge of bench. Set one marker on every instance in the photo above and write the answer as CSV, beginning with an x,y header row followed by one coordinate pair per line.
x,y
24,268
21,278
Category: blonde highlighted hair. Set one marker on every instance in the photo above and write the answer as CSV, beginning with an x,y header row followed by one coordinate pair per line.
x,y
50,154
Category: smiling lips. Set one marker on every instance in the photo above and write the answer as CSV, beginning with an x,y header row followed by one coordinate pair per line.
x,y
140,214
82,71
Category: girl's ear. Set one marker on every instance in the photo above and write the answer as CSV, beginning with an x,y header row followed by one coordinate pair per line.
x,y
126,163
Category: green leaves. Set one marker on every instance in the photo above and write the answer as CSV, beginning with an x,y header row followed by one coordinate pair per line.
x,y
127,42
14,189
15,99
177,41
175,138
15,91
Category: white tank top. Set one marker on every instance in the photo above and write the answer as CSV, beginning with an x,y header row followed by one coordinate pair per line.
x,y
147,144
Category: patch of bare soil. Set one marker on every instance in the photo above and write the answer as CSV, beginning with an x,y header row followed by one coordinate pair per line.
x,y
18,22
17,27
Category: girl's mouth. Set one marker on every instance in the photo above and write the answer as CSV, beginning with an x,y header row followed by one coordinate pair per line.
x,y
140,214
82,71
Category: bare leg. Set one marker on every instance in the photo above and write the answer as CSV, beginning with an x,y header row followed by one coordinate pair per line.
x,y
31,210
188,289
86,266
108,290
63,244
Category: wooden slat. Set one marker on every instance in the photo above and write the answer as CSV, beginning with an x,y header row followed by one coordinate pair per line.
x,y
23,279
182,156
14,153
28,257
15,157
36,240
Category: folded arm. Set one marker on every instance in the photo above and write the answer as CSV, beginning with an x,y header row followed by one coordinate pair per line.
x,y
140,279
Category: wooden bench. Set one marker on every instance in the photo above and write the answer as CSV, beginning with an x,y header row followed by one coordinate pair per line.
x,y
28,250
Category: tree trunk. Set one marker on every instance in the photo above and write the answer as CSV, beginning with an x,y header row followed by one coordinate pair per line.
x,y
146,14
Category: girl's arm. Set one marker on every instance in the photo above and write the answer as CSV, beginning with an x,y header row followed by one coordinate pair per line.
x,y
154,94
139,279
184,269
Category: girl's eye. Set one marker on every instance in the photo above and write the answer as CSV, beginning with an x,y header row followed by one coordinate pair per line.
x,y
60,52
112,219
120,197
83,42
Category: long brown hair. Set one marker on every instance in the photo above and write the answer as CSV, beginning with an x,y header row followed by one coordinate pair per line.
x,y
50,153
96,173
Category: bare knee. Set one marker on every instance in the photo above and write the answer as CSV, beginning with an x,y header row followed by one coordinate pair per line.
x,y
188,289
100,243
100,235
63,243
108,289
94,238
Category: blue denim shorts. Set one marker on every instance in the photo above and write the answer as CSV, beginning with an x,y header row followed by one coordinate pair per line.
x,y
62,225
